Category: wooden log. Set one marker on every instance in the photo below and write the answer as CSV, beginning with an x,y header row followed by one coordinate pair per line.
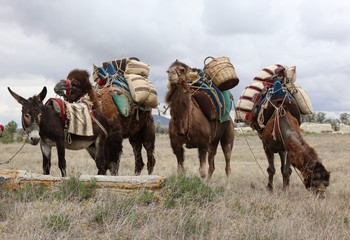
x,y
14,179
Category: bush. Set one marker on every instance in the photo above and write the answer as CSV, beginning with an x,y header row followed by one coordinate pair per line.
x,y
57,222
74,189
186,190
31,192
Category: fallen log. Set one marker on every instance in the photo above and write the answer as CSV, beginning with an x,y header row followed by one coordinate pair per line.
x,y
14,179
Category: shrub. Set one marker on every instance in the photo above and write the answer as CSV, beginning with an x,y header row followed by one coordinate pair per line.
x,y
57,222
31,192
74,189
186,190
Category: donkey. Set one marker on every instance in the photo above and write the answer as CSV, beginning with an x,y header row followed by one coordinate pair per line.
x,y
43,124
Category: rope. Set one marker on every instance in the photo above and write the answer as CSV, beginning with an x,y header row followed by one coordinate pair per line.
x,y
246,140
100,125
8,161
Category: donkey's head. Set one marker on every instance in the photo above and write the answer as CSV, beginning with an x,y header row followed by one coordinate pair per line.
x,y
31,114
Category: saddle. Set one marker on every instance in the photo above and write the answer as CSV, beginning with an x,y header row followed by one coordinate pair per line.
x,y
76,117
270,99
215,105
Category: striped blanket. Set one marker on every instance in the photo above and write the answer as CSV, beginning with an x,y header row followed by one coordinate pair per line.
x,y
79,119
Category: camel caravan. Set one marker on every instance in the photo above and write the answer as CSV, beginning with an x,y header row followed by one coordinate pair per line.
x,y
118,103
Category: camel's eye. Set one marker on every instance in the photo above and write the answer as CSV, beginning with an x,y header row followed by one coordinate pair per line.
x,y
182,70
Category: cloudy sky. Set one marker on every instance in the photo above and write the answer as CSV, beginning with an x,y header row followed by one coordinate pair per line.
x,y
41,41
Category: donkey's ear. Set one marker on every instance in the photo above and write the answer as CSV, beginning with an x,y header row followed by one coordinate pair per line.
x,y
42,94
19,99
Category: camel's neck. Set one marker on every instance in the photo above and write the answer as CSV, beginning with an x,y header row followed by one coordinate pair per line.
x,y
178,98
93,98
302,154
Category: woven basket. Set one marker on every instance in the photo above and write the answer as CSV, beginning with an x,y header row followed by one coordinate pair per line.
x,y
221,72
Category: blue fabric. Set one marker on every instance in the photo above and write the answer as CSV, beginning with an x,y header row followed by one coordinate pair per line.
x,y
121,84
110,69
275,92
102,73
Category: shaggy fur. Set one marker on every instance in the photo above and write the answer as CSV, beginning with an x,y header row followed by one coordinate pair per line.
x,y
188,125
282,135
138,127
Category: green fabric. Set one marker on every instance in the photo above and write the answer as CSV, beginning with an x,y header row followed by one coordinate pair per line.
x,y
228,106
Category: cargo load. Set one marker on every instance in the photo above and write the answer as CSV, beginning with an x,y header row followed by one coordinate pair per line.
x,y
221,72
251,95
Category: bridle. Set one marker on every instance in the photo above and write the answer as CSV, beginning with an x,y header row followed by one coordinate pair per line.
x,y
69,87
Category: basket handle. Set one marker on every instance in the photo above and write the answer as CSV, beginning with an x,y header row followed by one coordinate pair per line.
x,y
212,58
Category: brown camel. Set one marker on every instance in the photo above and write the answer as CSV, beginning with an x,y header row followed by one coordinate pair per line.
x,y
190,127
282,135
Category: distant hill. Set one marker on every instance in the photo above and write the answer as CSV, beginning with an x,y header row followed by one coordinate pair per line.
x,y
164,122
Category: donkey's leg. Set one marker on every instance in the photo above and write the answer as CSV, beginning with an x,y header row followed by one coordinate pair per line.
x,y
285,169
61,151
46,153
100,155
271,168
91,151
136,144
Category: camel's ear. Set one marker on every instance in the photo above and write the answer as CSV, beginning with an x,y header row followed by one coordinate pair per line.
x,y
42,94
19,99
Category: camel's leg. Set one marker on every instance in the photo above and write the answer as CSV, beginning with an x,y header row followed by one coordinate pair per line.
x,y
113,151
202,155
271,168
211,156
227,145
285,169
136,144
179,153
149,138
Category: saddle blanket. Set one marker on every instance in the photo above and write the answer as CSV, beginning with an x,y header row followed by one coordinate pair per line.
x,y
77,115
79,119
215,104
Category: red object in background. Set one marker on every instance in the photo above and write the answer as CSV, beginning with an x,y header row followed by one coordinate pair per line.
x,y
2,128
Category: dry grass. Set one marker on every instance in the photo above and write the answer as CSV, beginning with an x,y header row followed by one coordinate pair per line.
x,y
242,209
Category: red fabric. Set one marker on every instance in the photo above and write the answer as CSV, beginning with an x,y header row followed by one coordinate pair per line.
x,y
62,107
2,128
101,82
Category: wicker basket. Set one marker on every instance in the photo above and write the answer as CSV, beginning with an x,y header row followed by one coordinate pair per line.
x,y
221,72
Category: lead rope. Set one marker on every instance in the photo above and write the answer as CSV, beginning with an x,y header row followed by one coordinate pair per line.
x,y
8,161
246,140
282,112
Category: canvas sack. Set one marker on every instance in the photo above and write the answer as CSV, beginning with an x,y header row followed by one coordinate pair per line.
x,y
302,98
137,67
142,90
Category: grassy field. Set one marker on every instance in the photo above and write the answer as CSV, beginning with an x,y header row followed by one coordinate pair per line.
x,y
236,208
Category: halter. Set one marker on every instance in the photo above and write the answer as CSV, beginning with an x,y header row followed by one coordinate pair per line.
x,y
68,85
